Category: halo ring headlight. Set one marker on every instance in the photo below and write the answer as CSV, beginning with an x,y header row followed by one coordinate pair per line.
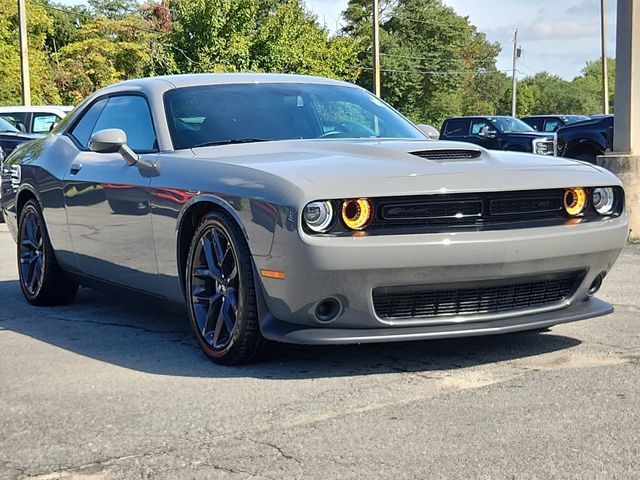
x,y
603,200
357,213
318,216
575,201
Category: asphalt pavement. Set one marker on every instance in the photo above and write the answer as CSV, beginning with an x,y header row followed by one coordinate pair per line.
x,y
116,388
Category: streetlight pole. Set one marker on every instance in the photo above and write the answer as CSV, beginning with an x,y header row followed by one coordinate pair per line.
x,y
24,54
514,81
605,69
376,48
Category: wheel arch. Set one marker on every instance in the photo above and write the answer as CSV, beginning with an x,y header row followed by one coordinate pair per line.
x,y
188,220
25,193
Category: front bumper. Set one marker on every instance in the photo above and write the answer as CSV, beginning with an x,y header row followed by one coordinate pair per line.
x,y
348,269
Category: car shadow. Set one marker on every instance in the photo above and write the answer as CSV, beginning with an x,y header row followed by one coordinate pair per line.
x,y
141,335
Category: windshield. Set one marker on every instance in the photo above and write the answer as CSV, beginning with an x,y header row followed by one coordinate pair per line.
x,y
7,127
241,113
510,125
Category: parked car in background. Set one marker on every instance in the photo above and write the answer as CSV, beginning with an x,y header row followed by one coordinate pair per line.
x,y
11,137
551,123
305,210
586,140
34,119
498,133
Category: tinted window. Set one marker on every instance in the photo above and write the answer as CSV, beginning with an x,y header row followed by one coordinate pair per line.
x,y
84,128
456,128
510,124
131,114
552,125
278,111
42,122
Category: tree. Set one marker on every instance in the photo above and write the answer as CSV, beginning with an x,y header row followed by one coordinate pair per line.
x,y
525,101
39,25
107,51
435,64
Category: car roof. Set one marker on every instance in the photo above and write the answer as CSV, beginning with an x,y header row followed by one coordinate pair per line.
x,y
167,82
36,108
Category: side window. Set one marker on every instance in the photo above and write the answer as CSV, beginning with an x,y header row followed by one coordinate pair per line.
x,y
456,128
83,129
478,125
131,114
42,122
551,125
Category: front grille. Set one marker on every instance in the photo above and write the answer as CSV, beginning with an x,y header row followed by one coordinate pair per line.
x,y
474,299
447,155
478,210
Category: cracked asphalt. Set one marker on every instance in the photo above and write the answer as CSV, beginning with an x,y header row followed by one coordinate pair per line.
x,y
114,388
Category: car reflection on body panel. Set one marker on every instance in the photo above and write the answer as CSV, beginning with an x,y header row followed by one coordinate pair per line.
x,y
305,210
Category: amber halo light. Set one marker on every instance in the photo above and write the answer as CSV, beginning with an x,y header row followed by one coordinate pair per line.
x,y
357,213
575,201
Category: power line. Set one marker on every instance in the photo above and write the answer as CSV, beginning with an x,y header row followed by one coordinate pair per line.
x,y
426,72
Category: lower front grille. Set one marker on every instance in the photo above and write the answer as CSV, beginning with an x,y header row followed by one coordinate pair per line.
x,y
474,299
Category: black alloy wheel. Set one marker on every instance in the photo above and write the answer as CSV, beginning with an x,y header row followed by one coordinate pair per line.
x,y
41,279
221,292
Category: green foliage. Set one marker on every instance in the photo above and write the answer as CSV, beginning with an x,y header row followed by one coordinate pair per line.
x,y
435,64
39,25
525,101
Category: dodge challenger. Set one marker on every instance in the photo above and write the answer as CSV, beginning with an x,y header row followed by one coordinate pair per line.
x,y
304,210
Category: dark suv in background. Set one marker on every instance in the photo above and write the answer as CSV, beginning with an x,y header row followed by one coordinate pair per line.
x,y
498,133
551,123
586,140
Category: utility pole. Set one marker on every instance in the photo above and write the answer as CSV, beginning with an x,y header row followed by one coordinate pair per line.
x,y
24,54
376,48
605,68
514,80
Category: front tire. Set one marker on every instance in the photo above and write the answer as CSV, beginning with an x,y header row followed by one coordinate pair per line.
x,y
221,293
41,279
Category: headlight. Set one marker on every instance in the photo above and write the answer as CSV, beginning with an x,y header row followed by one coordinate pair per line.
x,y
357,213
544,146
603,200
575,201
318,216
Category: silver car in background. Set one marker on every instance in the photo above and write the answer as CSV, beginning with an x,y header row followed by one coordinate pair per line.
x,y
305,210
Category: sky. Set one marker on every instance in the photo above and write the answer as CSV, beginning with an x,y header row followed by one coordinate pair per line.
x,y
557,36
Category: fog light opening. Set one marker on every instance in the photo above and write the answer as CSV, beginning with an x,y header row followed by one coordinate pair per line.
x,y
595,285
328,310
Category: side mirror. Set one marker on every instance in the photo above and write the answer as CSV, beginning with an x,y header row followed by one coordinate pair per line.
x,y
429,131
486,133
21,127
113,140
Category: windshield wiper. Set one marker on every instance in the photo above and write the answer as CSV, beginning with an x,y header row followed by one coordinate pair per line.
x,y
230,141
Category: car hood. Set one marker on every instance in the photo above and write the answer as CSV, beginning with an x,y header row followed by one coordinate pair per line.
x,y
19,136
531,135
370,167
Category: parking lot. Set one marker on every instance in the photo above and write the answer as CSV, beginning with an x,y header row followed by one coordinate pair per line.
x,y
112,388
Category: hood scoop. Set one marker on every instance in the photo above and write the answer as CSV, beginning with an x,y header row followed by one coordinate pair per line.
x,y
444,156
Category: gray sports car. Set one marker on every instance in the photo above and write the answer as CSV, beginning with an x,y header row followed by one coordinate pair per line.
x,y
305,210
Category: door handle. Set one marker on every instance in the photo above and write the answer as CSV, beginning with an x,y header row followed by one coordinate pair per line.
x,y
75,168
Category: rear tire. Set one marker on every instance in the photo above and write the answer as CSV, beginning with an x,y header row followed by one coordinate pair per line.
x,y
221,292
42,280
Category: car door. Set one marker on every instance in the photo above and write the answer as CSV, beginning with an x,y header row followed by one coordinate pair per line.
x,y
106,200
483,133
